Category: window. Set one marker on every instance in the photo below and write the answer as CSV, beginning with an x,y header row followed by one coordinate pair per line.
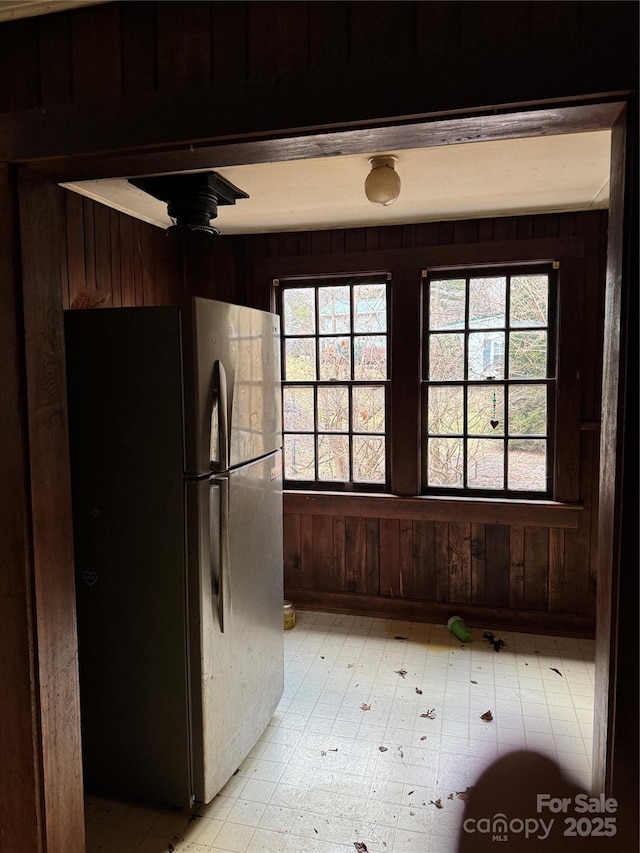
x,y
335,381
488,382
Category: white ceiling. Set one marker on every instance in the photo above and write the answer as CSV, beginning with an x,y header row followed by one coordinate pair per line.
x,y
481,179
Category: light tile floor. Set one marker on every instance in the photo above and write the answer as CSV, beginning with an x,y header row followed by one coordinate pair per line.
x,y
379,719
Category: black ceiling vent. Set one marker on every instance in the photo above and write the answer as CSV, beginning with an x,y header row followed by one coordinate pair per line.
x,y
192,200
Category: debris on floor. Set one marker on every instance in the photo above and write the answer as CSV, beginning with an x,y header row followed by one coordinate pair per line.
x,y
365,707
383,748
464,795
494,641
553,669
400,638
430,714
487,716
360,846
418,691
437,803
401,672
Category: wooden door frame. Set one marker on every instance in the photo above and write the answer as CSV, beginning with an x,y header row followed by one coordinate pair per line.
x,y
53,630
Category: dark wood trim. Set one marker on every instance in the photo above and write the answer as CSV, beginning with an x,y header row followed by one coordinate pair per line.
x,y
476,616
21,142
429,257
20,768
52,541
615,755
469,510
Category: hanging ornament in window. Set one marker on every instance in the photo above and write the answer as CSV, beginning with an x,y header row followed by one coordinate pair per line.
x,y
494,420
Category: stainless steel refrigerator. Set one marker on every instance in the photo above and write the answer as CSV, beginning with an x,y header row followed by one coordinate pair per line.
x,y
175,441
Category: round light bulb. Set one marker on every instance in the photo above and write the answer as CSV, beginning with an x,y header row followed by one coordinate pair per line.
x,y
382,185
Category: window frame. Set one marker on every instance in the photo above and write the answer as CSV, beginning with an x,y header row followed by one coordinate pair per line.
x,y
568,254
314,282
508,271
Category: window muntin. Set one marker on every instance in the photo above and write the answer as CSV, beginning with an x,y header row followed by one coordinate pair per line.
x,y
335,381
489,368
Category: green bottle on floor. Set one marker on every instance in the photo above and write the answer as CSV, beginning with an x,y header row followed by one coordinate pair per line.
x,y
459,629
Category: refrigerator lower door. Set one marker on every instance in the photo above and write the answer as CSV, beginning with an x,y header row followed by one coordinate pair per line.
x,y
239,671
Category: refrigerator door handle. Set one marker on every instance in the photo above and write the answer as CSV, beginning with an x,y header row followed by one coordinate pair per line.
x,y
219,438
220,525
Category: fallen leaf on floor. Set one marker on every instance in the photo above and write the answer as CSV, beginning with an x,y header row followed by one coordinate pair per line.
x,y
418,691
430,714
383,748
494,641
437,803
424,737
401,672
487,716
553,669
400,638
365,707
450,797
474,682
360,847
464,795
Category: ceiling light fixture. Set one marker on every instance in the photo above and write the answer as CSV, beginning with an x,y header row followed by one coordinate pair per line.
x,y
382,185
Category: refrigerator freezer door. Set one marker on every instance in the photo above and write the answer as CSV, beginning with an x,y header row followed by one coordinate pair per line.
x,y
238,674
245,342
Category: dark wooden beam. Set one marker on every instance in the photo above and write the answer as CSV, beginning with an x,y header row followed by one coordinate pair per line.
x,y
20,770
51,531
116,134
615,757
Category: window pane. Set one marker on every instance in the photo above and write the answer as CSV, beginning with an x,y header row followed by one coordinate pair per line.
x,y
368,409
528,464
487,300
299,457
444,410
335,358
368,459
370,356
447,304
485,464
370,306
485,410
528,410
446,357
333,408
297,409
486,355
300,359
445,462
527,355
334,308
529,300
333,457
298,308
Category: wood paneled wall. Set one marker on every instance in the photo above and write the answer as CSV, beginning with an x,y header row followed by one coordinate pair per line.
x,y
509,568
348,554
122,49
